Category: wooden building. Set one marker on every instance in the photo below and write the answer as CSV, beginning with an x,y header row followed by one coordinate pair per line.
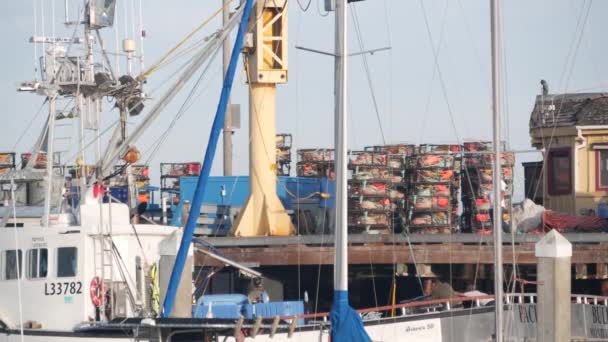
x,y
572,132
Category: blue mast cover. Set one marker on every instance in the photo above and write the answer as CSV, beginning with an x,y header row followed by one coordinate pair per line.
x,y
197,201
346,324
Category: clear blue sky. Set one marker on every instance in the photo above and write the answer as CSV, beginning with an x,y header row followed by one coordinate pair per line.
x,y
538,36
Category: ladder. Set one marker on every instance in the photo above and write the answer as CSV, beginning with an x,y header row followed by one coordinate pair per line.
x,y
104,262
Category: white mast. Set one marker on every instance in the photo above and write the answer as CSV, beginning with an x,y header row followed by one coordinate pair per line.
x,y
497,174
341,139
50,140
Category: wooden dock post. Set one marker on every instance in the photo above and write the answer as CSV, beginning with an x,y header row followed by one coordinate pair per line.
x,y
553,253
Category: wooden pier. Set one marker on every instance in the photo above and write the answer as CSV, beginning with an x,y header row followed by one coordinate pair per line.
x,y
588,248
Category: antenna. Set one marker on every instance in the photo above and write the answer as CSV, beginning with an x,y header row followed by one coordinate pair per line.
x,y
66,7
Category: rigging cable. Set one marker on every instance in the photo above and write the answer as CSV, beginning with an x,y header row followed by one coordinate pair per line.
x,y
427,106
125,11
43,34
184,107
35,10
304,8
439,73
390,101
29,124
17,259
390,69
296,142
359,35
133,15
506,124
182,42
117,42
141,37
368,76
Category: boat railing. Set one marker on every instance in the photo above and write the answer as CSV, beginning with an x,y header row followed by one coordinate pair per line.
x,y
321,319
436,305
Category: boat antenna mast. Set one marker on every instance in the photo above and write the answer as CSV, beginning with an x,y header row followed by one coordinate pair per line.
x,y
497,173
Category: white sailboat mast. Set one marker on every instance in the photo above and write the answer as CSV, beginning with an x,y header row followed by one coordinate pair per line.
x,y
497,174
341,139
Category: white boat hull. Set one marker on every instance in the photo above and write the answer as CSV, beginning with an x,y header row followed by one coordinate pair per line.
x,y
589,322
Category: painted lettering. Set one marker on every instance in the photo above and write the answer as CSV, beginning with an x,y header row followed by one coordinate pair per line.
x,y
62,288
527,314
599,314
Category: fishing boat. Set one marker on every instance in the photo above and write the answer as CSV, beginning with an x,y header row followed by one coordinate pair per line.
x,y
89,272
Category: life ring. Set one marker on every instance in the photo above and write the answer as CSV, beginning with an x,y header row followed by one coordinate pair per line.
x,y
96,291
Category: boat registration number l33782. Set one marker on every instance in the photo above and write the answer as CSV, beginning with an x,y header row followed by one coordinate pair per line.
x,y
62,288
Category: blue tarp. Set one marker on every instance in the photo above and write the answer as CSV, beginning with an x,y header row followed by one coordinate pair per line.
x,y
233,306
346,324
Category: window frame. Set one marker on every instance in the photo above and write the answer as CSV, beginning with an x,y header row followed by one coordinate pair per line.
x,y
19,254
559,152
38,264
598,186
58,264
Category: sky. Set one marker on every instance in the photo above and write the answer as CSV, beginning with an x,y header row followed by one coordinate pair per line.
x,y
432,86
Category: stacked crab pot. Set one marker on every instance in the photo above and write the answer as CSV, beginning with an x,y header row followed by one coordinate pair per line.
x,y
371,195
477,188
283,148
399,174
435,181
316,163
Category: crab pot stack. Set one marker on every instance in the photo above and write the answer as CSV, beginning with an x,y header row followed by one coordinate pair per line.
x,y
7,162
315,162
435,181
371,196
283,148
477,188
399,174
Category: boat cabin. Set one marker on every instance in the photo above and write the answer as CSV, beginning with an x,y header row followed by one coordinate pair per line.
x,y
572,132
56,276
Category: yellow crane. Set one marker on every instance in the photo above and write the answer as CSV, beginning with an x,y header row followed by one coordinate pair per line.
x,y
265,56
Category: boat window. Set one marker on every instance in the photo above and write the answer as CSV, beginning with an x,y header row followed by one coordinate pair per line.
x,y
559,169
67,261
37,263
12,258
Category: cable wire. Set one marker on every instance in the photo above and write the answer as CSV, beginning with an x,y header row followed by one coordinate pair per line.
x,y
304,8
368,76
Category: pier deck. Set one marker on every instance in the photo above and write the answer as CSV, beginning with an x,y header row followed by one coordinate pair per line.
x,y
588,248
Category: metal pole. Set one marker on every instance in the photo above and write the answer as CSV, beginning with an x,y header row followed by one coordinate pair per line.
x,y
49,159
227,131
341,139
497,174
82,181
67,15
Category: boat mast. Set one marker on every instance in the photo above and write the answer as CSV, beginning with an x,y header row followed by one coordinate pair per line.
x,y
50,139
227,132
341,139
497,174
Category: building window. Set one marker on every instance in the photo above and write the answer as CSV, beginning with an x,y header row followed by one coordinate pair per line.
x,y
12,264
37,263
601,169
559,171
67,262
